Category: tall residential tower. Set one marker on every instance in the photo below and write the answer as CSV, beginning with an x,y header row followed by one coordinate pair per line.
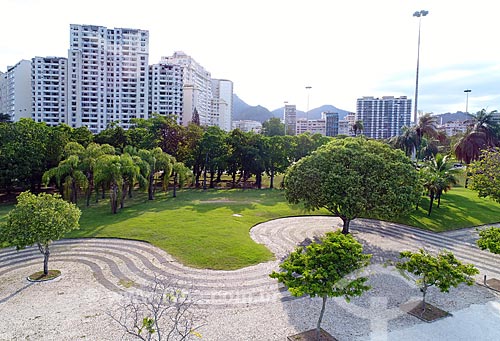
x,y
107,76
383,117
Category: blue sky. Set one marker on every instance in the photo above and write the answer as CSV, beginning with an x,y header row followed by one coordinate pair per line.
x,y
272,49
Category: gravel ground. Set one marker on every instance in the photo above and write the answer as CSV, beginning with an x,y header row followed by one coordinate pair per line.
x,y
75,305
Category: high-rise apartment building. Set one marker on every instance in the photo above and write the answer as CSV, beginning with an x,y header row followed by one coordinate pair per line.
x,y
107,76
48,79
383,117
165,90
222,104
290,119
331,123
197,83
15,91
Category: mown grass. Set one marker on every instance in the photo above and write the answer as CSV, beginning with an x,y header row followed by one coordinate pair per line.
x,y
460,207
204,229
210,229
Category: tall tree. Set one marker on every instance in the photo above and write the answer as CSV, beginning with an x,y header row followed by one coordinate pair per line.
x,y
39,219
108,172
485,174
156,163
273,127
354,177
320,270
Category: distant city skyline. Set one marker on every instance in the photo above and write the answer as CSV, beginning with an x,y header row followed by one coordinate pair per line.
x,y
273,50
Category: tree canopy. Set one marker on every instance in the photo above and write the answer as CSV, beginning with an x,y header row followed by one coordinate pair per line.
x,y
39,219
489,239
443,270
485,174
354,177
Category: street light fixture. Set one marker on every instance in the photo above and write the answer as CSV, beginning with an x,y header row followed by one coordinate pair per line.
x,y
307,110
419,15
467,100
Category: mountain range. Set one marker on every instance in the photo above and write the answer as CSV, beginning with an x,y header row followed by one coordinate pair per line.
x,y
244,111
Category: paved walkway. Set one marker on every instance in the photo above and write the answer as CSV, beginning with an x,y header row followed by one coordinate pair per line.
x,y
117,263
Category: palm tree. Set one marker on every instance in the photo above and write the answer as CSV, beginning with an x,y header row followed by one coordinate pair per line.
x,y
108,171
427,126
484,133
439,177
358,127
407,141
68,176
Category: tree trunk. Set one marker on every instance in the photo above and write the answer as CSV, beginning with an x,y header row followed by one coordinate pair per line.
x,y
430,204
439,198
424,292
150,187
345,228
271,183
44,249
318,326
175,185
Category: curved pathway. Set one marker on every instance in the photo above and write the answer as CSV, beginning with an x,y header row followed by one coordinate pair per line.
x,y
117,264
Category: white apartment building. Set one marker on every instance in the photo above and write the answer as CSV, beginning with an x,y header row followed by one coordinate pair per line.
x,y
345,125
197,84
15,91
222,104
247,126
48,79
107,76
454,127
311,126
383,117
165,90
290,119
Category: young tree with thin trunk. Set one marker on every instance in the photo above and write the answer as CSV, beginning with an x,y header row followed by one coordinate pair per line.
x,y
164,312
442,271
322,269
39,219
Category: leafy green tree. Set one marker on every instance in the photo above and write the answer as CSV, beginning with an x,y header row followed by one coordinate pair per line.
x,y
39,219
279,153
354,177
485,174
358,127
82,135
113,135
489,239
320,270
131,173
273,127
442,271
24,154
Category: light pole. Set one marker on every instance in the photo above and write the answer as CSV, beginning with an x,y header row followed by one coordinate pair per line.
x,y
285,116
307,110
467,100
419,15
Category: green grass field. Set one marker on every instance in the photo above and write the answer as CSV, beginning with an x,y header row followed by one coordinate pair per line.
x,y
210,229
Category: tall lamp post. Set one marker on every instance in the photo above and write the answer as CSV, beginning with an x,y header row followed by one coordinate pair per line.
x,y
467,100
307,110
419,15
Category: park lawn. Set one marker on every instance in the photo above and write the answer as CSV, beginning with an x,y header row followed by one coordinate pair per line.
x,y
203,229
460,207
210,229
